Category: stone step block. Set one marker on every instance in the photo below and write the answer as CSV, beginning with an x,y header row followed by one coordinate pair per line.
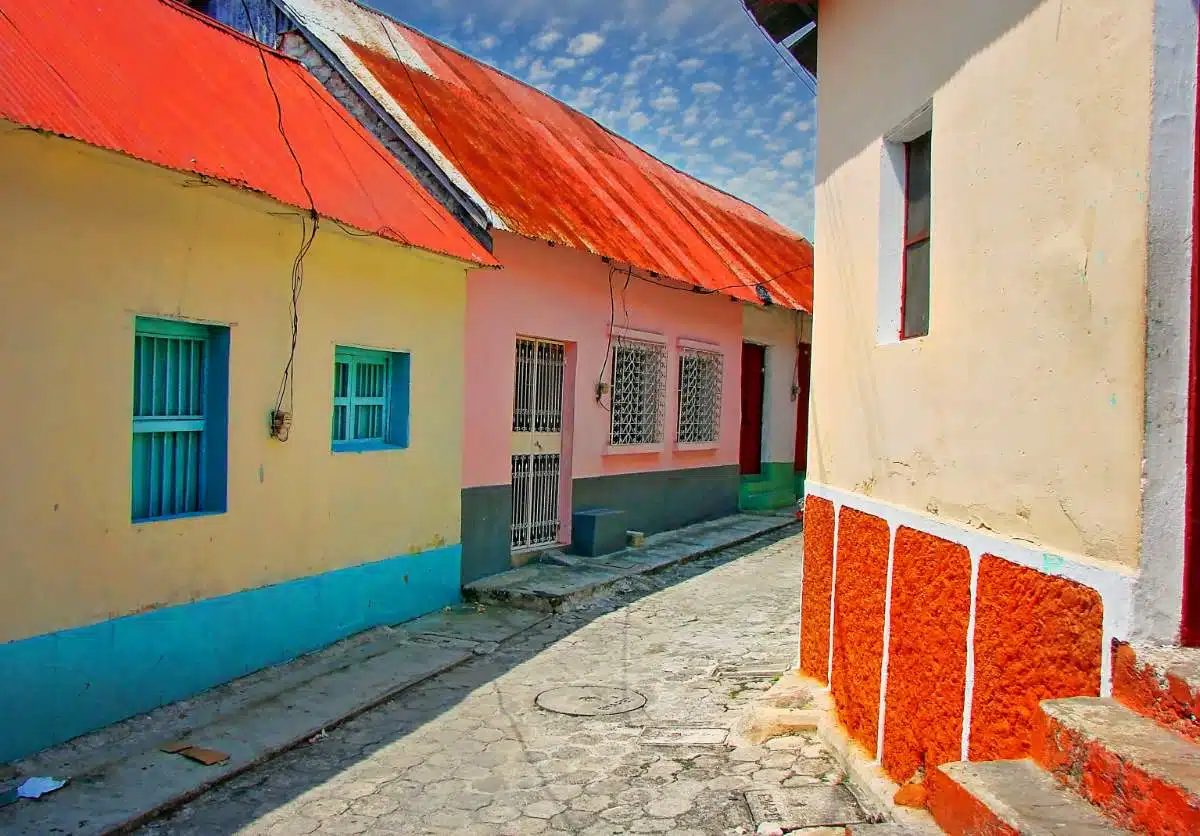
x,y
1141,775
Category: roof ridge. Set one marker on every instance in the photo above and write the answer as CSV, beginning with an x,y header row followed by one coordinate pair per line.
x,y
574,110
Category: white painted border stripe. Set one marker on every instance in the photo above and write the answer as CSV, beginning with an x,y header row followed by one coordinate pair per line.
x,y
1114,585
837,513
969,682
887,640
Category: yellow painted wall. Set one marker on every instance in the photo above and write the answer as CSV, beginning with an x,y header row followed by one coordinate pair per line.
x,y
88,240
1021,412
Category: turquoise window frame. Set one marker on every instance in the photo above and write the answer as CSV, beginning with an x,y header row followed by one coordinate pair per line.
x,y
375,419
180,438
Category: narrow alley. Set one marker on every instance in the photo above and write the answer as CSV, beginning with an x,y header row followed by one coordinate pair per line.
x,y
471,751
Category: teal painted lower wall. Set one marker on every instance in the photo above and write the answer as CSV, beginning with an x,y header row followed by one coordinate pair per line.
x,y
773,488
61,685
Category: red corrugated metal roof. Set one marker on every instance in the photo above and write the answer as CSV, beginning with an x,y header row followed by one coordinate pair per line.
x,y
551,173
156,81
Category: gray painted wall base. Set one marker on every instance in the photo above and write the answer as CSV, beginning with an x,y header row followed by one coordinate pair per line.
x,y
652,502
663,500
486,531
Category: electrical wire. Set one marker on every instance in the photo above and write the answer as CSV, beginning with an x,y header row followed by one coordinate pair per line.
x,y
287,387
416,90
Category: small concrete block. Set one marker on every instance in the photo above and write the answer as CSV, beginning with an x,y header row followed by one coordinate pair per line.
x,y
635,539
683,736
800,807
597,531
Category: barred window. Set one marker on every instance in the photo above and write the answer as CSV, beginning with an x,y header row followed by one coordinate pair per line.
x,y
700,378
638,380
180,397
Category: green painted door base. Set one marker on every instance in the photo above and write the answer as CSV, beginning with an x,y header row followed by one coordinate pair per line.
x,y
775,487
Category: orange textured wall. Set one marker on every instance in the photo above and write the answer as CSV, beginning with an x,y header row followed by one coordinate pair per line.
x,y
1036,637
860,599
927,654
818,585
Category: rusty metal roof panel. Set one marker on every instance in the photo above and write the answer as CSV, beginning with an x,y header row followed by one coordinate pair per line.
x,y
154,80
545,171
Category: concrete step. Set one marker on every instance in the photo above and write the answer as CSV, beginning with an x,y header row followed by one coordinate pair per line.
x,y
1141,775
1162,683
1006,798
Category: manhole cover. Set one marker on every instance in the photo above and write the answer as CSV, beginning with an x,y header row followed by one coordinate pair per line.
x,y
589,700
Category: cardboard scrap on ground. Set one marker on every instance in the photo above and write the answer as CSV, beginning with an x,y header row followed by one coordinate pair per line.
x,y
208,757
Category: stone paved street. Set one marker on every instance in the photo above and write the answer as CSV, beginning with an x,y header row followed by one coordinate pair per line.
x,y
471,752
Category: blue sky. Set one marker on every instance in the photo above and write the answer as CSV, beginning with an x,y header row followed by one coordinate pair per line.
x,y
691,81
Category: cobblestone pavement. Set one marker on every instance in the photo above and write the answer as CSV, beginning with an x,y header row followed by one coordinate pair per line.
x,y
470,752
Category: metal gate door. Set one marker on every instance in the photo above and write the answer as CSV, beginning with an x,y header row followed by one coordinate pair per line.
x,y
537,443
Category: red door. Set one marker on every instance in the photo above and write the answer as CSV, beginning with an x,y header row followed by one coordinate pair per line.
x,y
803,377
754,372
1190,631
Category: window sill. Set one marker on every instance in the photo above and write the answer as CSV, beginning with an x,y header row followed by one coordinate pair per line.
x,y
173,517
366,447
633,449
696,446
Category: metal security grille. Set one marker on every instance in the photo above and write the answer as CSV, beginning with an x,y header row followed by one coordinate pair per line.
x,y
170,363
700,382
535,500
537,442
538,400
361,383
638,380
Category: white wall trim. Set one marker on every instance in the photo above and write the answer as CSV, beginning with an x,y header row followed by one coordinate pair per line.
x,y
1158,601
892,182
1114,585
888,304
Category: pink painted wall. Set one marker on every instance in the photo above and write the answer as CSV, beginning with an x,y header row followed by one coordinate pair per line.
x,y
562,294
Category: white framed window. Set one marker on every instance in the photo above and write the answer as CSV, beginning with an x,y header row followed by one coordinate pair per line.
x,y
905,228
639,373
701,377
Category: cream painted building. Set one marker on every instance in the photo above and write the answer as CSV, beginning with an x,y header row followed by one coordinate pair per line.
x,y
159,538
999,430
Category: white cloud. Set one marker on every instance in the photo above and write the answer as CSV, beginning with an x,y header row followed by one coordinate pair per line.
x,y
786,118
521,61
540,73
707,88
691,116
487,42
793,159
666,100
690,65
691,142
563,63
591,75
547,39
720,142
638,121
586,43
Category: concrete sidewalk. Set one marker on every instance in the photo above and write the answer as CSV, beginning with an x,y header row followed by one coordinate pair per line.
x,y
119,777
552,587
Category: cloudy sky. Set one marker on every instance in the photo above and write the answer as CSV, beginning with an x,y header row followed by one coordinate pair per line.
x,y
691,81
